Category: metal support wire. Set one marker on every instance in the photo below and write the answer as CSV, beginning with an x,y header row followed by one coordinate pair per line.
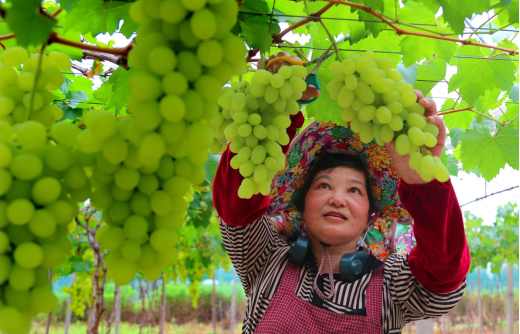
x,y
356,20
481,198
376,51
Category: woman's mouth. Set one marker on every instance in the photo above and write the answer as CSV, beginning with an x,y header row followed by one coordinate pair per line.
x,y
334,215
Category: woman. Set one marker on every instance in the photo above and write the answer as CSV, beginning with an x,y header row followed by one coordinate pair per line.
x,y
333,194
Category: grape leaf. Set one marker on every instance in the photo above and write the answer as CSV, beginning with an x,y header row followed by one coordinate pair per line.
x,y
487,152
513,93
324,108
431,72
255,32
454,134
28,23
354,30
416,48
371,23
387,41
67,5
416,12
98,17
118,83
455,11
211,167
513,12
409,73
451,162
511,112
489,101
460,119
475,76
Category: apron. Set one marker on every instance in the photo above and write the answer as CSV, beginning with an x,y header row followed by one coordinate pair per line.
x,y
287,313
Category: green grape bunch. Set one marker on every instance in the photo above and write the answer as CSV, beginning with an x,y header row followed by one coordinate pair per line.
x,y
380,106
35,202
143,166
25,91
254,118
80,295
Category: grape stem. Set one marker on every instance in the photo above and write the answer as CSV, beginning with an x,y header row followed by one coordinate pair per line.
x,y
36,78
314,17
476,112
400,31
332,40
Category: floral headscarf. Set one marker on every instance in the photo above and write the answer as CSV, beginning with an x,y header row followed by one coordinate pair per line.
x,y
384,236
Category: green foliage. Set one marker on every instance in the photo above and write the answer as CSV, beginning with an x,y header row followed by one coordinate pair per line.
x,y
476,76
489,152
496,243
30,25
98,16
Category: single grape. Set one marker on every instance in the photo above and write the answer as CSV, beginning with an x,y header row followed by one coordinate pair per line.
x,y
402,144
441,173
416,136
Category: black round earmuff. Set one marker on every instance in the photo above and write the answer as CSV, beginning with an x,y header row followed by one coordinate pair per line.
x,y
350,267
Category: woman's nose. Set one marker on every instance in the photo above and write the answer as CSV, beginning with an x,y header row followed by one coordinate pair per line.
x,y
337,200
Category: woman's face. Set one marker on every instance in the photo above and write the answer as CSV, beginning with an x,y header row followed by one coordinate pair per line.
x,y
336,207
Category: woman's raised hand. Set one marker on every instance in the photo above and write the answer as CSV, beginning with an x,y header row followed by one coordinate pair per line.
x,y
311,90
400,162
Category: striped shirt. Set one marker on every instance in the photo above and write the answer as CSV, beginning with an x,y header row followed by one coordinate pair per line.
x,y
260,256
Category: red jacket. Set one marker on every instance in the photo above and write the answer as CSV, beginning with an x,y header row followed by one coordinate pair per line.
x,y
439,261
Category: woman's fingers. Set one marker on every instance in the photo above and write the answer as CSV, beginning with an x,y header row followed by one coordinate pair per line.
x,y
441,137
419,94
276,65
430,109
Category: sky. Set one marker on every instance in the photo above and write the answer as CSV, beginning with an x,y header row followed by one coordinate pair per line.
x,y
468,187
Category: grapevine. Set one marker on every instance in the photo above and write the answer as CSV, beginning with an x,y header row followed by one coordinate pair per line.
x,y
254,118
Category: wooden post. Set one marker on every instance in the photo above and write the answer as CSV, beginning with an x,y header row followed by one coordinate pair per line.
x,y
213,309
49,316
424,326
117,305
510,300
163,307
68,315
233,303
498,288
480,322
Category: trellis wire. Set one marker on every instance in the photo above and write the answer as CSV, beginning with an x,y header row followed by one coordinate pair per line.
x,y
376,51
356,20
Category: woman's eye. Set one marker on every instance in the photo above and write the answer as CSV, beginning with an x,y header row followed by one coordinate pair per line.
x,y
355,190
323,185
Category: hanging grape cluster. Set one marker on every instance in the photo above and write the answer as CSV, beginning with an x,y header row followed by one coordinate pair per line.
x,y
143,166
35,207
254,118
80,293
380,106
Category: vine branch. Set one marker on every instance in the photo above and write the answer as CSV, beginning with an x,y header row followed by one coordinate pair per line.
x,y
400,31
54,38
471,109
